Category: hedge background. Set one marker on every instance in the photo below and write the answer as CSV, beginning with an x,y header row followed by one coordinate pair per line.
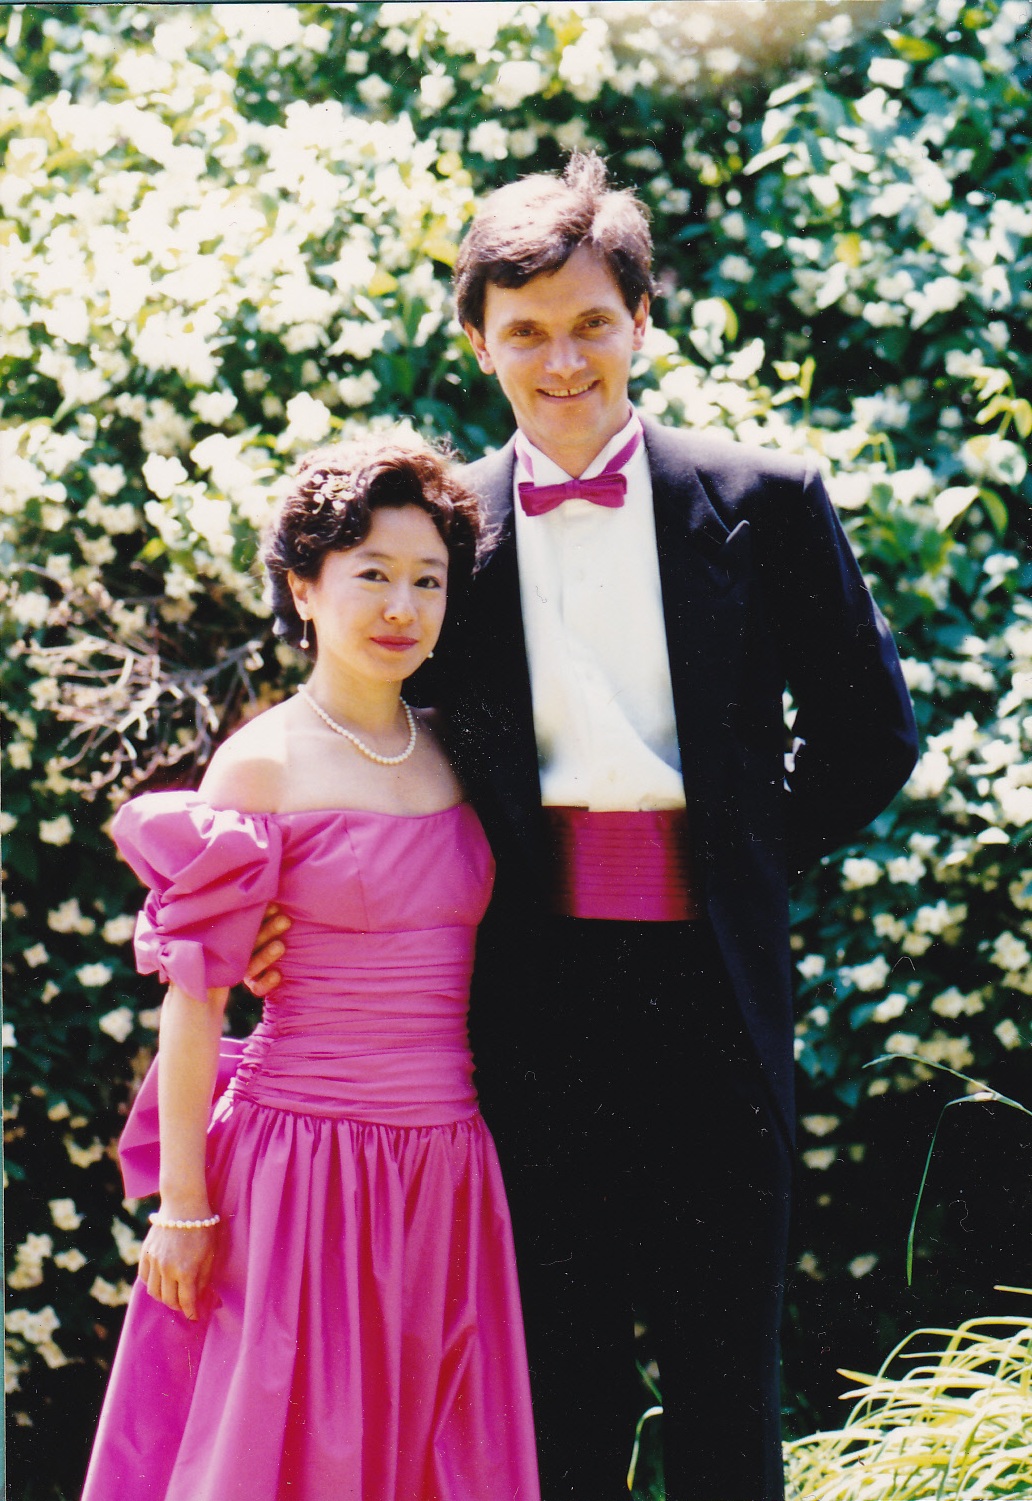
x,y
227,233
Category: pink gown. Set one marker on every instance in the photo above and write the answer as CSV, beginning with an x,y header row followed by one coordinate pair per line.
x,y
363,1340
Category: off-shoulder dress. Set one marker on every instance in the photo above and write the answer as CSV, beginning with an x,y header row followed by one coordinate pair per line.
x,y
363,1338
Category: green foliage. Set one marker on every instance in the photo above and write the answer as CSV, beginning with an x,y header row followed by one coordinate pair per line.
x,y
958,1424
227,234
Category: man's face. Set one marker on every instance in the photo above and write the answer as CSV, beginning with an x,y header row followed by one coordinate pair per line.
x,y
561,347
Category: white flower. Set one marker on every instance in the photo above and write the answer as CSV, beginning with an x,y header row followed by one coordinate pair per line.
x,y
861,1265
878,110
905,870
938,918
1008,1033
36,955
859,873
119,929
736,268
904,1043
272,26
358,390
163,475
954,1052
890,927
489,140
129,1247
83,1156
69,919
436,90
212,520
820,1158
118,1023
36,1327
1009,952
940,295
308,419
951,1004
97,551
915,483
373,90
31,608
916,944
56,830
106,1292
70,1261
92,976
812,967
930,775
850,492
107,479
918,676
890,71
870,976
64,1214
9,1039
994,458
213,407
893,1005
821,1125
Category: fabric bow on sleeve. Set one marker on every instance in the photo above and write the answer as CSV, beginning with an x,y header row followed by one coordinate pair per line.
x,y
212,872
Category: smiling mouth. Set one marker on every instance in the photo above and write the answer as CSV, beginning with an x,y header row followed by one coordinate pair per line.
x,y
569,391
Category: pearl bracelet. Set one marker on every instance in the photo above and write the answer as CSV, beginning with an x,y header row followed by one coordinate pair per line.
x,y
160,1224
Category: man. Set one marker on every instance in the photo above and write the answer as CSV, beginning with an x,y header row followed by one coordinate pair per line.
x,y
615,687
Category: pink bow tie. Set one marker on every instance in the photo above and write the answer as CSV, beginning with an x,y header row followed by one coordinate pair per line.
x,y
606,489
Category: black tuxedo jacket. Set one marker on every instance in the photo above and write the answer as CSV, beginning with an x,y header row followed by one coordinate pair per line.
x,y
760,591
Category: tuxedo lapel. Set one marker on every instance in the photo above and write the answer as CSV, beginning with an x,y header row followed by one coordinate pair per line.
x,y
705,571
501,750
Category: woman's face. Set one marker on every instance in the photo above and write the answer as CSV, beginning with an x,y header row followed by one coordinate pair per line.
x,y
378,608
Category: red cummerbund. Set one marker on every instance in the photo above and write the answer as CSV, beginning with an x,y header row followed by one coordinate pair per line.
x,y
627,867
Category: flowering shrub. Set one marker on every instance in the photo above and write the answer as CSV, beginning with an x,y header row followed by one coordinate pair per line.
x,y
228,236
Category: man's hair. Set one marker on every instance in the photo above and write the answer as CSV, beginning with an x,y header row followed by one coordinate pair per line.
x,y
533,226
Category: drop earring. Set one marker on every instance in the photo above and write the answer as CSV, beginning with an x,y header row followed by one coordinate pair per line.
x,y
304,643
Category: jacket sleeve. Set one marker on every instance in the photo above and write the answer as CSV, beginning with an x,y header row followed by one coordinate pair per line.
x,y
854,732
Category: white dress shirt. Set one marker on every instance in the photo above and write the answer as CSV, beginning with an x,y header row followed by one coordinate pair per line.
x,y
596,643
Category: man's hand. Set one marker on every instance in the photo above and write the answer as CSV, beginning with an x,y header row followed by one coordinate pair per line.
x,y
260,979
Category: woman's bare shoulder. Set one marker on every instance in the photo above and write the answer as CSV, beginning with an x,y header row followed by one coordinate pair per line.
x,y
248,771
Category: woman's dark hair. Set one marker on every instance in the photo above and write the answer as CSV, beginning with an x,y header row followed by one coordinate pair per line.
x,y
329,508
535,225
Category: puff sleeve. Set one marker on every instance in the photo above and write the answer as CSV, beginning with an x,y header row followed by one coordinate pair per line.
x,y
211,873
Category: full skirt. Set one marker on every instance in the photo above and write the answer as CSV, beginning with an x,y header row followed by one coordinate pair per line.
x,y
362,1340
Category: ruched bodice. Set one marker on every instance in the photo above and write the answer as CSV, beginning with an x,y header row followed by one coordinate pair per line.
x,y
370,1018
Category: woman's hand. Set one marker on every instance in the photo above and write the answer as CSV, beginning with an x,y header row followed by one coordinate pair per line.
x,y
176,1265
260,979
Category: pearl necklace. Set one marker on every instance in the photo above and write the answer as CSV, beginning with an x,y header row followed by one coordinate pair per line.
x,y
360,744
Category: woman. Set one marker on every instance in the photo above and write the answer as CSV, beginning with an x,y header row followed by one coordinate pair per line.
x,y
327,1306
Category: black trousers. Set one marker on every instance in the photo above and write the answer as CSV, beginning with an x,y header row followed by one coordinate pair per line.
x,y
646,1173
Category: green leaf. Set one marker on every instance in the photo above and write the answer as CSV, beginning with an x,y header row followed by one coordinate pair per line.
x,y
791,90
151,551
996,510
914,49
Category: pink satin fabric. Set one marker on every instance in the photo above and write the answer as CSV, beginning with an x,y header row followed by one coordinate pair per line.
x,y
363,1338
626,867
